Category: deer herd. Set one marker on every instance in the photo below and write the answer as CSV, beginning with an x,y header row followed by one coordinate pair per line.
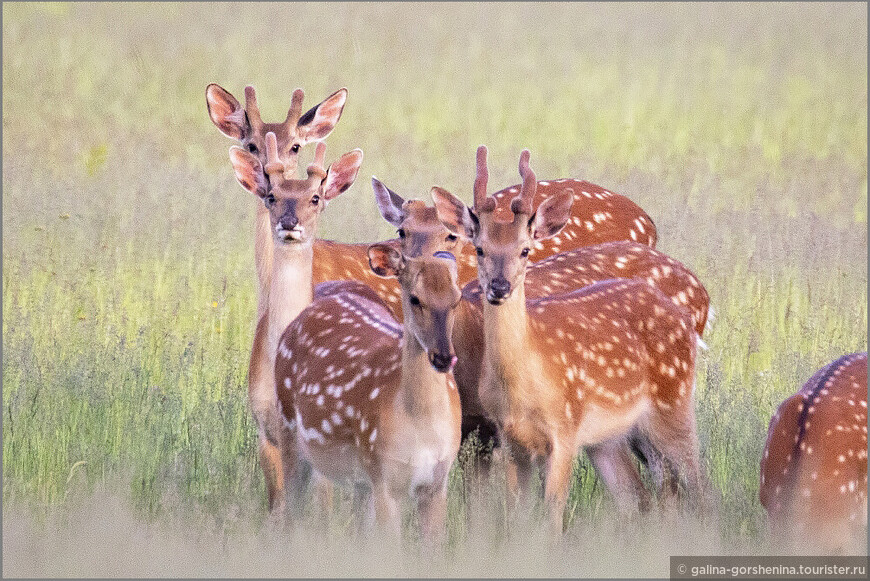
x,y
540,318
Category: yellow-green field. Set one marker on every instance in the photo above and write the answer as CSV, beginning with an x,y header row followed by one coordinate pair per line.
x,y
128,269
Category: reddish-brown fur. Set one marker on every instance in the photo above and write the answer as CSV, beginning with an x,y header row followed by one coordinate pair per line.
x,y
588,368
294,207
597,216
364,405
423,233
814,465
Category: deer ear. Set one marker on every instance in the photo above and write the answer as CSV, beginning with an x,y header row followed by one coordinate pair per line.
x,y
385,260
226,112
456,216
552,215
389,203
341,174
321,119
249,171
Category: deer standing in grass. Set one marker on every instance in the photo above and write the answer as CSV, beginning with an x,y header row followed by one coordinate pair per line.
x,y
293,207
370,404
814,465
422,233
589,368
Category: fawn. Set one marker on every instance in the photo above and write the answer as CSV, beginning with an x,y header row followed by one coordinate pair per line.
x,y
371,404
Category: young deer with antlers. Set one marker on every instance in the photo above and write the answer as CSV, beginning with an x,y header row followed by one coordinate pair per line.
x,y
294,207
373,406
814,465
332,260
597,216
422,233
584,369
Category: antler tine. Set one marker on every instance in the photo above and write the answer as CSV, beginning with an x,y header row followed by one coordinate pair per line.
x,y
481,202
251,107
295,111
274,168
522,204
317,167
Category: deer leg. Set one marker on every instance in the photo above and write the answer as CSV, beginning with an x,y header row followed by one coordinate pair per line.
x,y
270,463
675,436
363,507
647,454
519,471
557,480
614,466
264,408
323,489
432,510
296,472
387,512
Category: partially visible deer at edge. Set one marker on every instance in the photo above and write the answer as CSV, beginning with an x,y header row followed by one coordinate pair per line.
x,y
814,464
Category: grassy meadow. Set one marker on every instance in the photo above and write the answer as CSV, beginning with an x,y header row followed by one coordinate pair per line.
x,y
128,268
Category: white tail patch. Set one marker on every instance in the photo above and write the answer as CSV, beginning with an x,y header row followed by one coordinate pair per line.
x,y
711,316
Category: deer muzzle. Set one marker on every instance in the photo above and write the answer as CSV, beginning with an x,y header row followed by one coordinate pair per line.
x,y
499,290
442,363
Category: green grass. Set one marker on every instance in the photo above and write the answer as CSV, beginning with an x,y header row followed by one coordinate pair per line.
x,y
128,279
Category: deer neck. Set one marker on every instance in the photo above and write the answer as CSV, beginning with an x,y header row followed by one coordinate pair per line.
x,y
506,338
264,249
291,288
423,391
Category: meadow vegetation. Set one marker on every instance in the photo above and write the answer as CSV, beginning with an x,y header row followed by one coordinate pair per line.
x,y
128,270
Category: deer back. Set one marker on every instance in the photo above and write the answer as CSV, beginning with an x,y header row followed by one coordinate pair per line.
x,y
814,464
335,363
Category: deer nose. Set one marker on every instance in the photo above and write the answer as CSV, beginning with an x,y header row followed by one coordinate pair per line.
x,y
441,362
499,288
289,222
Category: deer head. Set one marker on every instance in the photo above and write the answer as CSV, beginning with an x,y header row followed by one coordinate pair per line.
x,y
294,205
420,232
246,126
430,295
503,247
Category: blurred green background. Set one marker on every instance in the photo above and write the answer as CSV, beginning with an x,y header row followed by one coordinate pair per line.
x,y
128,271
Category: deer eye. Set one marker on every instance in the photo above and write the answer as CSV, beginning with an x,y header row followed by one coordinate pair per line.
x,y
479,251
252,148
315,199
451,238
524,253
269,200
414,300
295,148
402,233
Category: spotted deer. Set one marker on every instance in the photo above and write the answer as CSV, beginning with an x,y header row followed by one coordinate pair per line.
x,y
597,216
371,404
814,464
589,368
294,207
332,260
420,232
